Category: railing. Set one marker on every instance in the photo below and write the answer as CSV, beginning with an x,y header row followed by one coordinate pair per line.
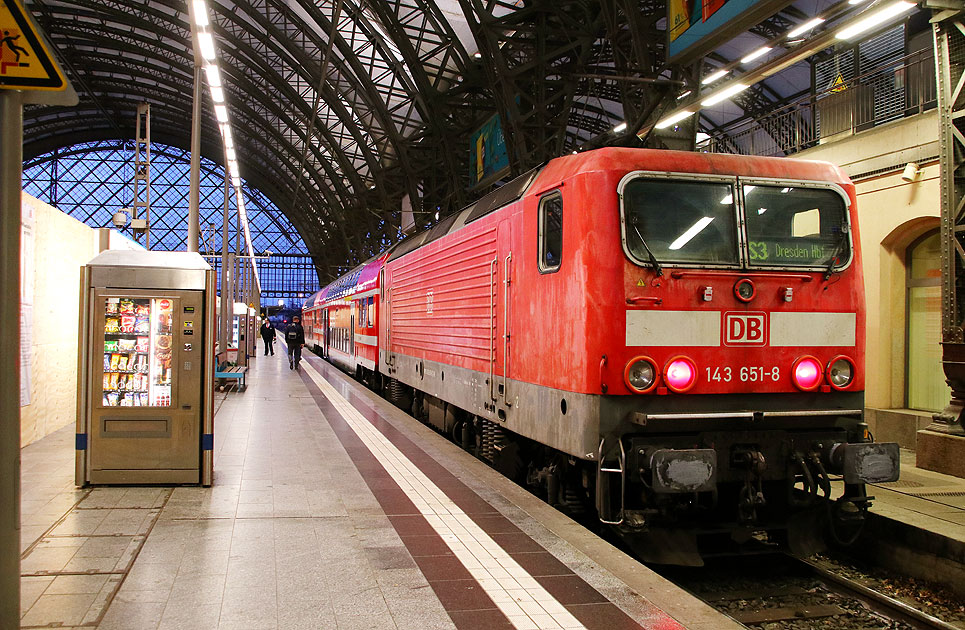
x,y
899,89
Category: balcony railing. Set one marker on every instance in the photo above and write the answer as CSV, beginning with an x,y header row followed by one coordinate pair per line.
x,y
899,89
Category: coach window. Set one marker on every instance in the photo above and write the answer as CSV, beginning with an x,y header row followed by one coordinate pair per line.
x,y
550,232
370,318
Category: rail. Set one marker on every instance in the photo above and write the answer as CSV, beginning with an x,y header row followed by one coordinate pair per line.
x,y
901,88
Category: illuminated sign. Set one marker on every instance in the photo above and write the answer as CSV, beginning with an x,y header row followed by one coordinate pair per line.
x,y
488,160
696,27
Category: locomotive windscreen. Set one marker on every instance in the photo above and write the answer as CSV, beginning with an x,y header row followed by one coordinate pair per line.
x,y
794,226
680,221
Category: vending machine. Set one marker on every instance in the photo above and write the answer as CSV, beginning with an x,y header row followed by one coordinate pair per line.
x,y
145,400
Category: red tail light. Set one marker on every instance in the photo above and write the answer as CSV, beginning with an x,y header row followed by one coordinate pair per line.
x,y
680,374
806,373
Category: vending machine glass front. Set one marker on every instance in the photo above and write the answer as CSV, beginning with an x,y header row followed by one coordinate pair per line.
x,y
138,347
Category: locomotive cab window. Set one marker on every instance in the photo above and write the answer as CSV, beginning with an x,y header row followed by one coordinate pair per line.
x,y
550,232
680,221
795,226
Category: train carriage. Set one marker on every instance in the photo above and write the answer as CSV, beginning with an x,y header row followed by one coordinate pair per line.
x,y
675,340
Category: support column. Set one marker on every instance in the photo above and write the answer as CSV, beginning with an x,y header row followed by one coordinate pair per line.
x,y
226,276
194,226
950,73
11,164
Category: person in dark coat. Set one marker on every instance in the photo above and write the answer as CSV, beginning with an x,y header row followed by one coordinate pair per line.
x,y
268,334
295,338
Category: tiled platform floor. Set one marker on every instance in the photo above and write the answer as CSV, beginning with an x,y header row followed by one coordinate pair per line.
x,y
292,535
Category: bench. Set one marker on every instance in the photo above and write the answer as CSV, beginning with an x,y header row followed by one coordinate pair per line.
x,y
235,373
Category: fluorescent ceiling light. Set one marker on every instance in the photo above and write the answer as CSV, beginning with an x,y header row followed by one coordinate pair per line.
x,y
760,52
200,13
236,181
229,142
221,112
206,44
804,28
213,74
621,127
874,19
673,118
217,95
710,78
231,155
685,94
854,2
723,95
694,230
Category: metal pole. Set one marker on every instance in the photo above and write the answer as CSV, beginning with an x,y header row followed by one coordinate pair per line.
x,y
226,275
193,200
11,163
239,295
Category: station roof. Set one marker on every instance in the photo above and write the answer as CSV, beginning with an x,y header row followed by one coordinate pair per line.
x,y
340,108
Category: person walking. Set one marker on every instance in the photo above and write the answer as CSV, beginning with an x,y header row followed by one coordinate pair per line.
x,y
295,338
268,335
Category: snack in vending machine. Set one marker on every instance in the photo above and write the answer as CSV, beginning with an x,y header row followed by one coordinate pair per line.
x,y
142,344
107,381
126,345
142,363
122,363
114,378
127,306
115,359
107,363
111,345
127,323
112,305
112,325
112,399
106,404
142,325
122,381
126,401
143,399
142,309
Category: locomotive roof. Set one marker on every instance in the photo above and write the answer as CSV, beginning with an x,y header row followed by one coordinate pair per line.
x,y
548,175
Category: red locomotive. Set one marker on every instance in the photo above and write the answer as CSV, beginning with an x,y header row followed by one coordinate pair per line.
x,y
674,340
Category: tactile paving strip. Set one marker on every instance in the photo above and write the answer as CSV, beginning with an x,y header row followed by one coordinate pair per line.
x,y
467,527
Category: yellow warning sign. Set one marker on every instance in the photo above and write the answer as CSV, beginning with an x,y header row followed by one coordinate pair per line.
x,y
25,61
838,85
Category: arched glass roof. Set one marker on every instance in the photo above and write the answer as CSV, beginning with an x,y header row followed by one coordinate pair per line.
x,y
93,180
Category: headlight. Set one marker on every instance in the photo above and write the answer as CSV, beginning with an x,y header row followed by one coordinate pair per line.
x,y
806,373
640,375
840,372
680,374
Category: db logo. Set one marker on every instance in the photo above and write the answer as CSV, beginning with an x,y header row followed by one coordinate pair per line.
x,y
745,329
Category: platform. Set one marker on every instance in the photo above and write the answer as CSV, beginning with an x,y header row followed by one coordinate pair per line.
x,y
330,509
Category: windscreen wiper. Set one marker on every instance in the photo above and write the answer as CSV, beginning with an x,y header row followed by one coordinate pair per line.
x,y
653,259
834,253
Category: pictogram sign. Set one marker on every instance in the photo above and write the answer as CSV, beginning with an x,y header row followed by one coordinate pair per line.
x,y
26,63
839,84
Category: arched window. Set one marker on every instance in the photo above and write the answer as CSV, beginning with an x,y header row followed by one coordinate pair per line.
x,y
926,387
93,180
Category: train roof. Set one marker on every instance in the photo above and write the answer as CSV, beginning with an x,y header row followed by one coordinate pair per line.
x,y
548,175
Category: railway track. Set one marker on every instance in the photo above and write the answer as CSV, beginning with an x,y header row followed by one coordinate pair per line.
x,y
785,593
